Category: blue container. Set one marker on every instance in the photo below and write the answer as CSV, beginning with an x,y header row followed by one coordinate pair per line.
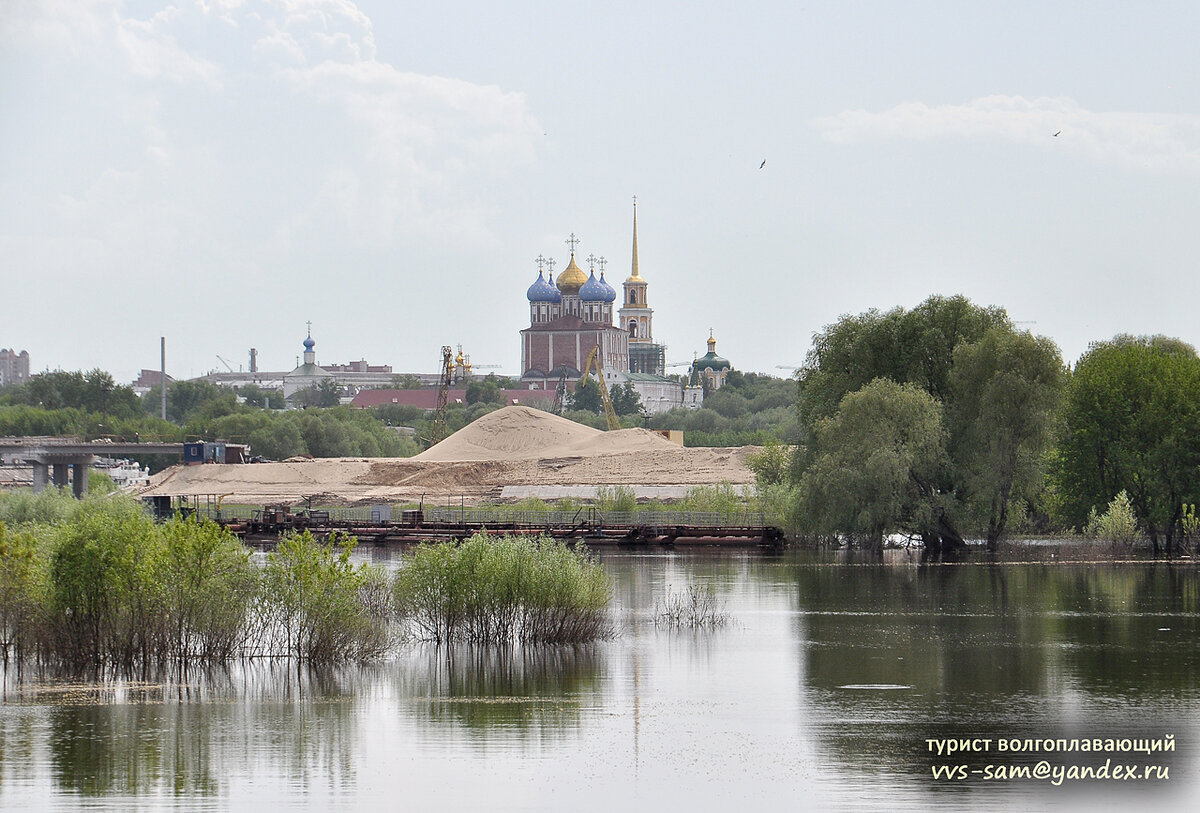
x,y
193,453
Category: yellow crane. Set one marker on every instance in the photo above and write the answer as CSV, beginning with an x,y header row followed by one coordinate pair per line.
x,y
593,360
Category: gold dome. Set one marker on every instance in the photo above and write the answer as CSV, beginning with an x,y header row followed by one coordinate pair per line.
x,y
571,278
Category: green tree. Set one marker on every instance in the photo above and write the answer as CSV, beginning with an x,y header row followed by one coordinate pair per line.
x,y
187,400
1004,390
586,397
626,400
875,467
485,391
1131,422
325,393
997,387
255,396
915,346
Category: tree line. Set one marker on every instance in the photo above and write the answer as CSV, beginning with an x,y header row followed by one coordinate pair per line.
x,y
946,421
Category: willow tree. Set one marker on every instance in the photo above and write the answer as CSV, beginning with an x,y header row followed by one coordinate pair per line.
x,y
1004,390
996,388
875,466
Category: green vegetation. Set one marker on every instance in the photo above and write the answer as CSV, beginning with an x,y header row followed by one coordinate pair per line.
x,y
1131,423
1117,524
96,583
501,590
923,422
91,406
103,585
325,609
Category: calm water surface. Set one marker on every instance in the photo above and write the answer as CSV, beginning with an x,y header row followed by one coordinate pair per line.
x,y
820,693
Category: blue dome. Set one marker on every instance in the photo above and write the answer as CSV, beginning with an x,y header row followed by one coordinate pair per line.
x,y
309,344
611,295
594,290
543,291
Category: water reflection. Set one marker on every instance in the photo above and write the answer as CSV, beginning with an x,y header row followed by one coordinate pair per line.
x,y
514,689
823,688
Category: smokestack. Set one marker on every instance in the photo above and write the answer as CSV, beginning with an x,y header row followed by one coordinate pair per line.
x,y
253,360
163,346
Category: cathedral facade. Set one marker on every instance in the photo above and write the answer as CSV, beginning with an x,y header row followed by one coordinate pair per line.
x,y
574,314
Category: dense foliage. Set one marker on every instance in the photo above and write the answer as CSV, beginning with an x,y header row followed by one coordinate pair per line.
x,y
959,460
96,583
1131,423
506,589
90,406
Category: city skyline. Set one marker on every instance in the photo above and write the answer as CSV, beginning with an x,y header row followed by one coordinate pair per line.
x,y
222,172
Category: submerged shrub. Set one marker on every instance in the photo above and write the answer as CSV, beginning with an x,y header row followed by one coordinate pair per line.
x,y
696,607
1118,523
322,608
105,602
21,590
210,585
501,590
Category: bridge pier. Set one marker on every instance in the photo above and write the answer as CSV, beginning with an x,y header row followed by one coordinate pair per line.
x,y
80,468
59,471
41,477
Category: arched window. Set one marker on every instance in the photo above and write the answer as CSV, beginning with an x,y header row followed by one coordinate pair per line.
x,y
633,328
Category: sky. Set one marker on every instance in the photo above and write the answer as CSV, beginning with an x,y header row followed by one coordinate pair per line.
x,y
221,172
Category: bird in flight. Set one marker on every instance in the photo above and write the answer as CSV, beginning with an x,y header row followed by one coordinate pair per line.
x,y
1056,135
763,164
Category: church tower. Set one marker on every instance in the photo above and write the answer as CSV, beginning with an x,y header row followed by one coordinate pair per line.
x,y
637,318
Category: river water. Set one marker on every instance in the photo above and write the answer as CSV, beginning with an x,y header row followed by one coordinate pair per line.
x,y
820,692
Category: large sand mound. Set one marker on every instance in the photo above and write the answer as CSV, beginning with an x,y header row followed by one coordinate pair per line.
x,y
522,433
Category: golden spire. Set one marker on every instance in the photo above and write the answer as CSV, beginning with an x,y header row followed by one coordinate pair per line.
x,y
635,260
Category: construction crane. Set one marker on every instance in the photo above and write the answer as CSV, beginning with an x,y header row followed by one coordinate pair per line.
x,y
593,360
226,363
438,431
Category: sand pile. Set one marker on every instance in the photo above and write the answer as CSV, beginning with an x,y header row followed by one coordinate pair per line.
x,y
523,433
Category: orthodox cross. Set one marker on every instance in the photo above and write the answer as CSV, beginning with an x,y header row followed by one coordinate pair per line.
x,y
591,260
550,265
309,324
541,262
572,241
601,262
635,200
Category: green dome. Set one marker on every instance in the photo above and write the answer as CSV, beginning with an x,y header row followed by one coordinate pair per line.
x,y
711,361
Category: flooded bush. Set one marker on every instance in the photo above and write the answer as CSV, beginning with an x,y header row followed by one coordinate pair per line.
x,y
105,604
1117,525
210,585
319,607
695,607
502,590
22,585
110,588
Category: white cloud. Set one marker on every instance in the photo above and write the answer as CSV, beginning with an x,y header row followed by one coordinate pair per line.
x,y
1158,142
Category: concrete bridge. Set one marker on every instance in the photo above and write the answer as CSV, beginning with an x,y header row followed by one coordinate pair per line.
x,y
50,457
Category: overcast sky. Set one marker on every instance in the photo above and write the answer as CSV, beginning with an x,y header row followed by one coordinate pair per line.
x,y
221,172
